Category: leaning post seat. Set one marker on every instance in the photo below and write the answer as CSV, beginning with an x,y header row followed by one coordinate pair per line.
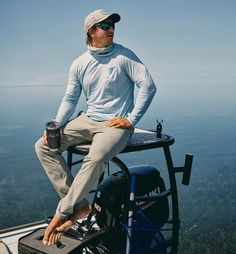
x,y
145,140
141,140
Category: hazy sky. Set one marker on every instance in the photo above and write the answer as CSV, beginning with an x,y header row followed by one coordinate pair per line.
x,y
174,38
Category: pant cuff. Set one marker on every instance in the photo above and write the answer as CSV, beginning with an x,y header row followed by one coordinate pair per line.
x,y
65,215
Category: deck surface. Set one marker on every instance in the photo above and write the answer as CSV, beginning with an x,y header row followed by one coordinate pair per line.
x,y
10,238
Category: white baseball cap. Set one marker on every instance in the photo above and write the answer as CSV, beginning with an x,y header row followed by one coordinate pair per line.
x,y
98,16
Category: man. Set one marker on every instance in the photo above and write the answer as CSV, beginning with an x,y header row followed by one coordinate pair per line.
x,y
107,74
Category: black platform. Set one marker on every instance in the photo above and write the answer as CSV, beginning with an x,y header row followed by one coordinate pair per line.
x,y
141,140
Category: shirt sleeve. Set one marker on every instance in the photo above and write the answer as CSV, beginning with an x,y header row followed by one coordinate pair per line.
x,y
71,97
140,76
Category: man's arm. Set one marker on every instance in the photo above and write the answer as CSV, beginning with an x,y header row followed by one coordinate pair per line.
x,y
71,97
140,76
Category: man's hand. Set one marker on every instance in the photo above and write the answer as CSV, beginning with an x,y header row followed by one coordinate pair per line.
x,y
119,122
45,138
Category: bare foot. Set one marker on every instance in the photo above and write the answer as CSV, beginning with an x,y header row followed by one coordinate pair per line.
x,y
51,235
58,226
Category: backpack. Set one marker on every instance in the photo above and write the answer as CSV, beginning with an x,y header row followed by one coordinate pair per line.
x,y
113,193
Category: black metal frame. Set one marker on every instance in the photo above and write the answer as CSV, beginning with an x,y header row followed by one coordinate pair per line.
x,y
164,142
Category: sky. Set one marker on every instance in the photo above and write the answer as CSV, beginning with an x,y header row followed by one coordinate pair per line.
x,y
175,39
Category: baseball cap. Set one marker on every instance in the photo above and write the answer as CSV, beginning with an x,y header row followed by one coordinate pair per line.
x,y
98,16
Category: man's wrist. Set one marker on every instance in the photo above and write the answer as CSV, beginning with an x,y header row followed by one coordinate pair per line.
x,y
130,121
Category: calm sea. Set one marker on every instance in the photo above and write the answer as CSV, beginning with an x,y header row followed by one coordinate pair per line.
x,y
200,115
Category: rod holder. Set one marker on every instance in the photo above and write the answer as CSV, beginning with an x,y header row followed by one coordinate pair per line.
x,y
187,169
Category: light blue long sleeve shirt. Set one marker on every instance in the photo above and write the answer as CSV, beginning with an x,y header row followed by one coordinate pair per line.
x,y
108,81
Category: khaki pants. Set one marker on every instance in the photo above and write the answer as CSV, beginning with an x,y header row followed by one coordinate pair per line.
x,y
107,142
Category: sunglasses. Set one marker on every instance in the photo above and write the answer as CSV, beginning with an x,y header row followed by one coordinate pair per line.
x,y
105,25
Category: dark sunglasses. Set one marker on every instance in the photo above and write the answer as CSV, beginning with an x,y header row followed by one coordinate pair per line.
x,y
105,25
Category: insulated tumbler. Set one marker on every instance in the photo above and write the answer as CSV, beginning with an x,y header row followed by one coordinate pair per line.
x,y
53,135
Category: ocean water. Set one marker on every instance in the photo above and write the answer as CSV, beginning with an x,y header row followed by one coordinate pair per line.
x,y
199,114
